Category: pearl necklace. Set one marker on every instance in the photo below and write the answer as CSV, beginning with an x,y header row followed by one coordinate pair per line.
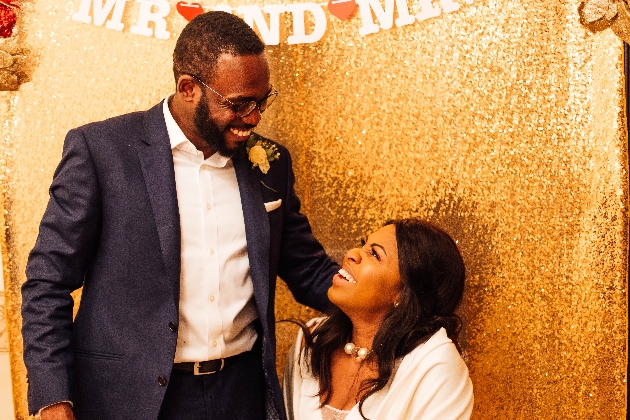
x,y
359,353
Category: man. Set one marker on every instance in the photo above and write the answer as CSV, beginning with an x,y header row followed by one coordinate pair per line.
x,y
177,238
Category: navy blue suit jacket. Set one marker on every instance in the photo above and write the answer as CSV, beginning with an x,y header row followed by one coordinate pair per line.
x,y
112,227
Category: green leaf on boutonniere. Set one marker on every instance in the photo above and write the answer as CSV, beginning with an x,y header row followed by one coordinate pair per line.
x,y
251,142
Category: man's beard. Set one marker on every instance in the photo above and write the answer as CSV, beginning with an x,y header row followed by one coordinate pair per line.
x,y
209,130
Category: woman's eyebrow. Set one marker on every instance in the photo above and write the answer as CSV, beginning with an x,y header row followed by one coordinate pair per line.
x,y
380,246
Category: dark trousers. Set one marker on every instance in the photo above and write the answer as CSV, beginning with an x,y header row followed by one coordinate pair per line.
x,y
237,392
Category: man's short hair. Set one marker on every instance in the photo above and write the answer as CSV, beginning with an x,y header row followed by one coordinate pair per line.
x,y
208,36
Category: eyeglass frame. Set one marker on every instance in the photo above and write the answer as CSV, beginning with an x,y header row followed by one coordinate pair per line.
x,y
234,107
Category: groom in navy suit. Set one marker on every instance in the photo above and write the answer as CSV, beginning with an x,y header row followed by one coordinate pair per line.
x,y
176,222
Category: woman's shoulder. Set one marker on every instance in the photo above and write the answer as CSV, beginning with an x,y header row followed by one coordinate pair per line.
x,y
315,322
439,350
433,378
311,325
438,339
300,342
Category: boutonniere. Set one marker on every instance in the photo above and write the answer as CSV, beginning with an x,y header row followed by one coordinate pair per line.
x,y
261,152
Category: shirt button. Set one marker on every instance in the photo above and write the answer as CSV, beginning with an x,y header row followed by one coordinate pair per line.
x,y
208,207
214,343
211,251
211,298
172,326
161,381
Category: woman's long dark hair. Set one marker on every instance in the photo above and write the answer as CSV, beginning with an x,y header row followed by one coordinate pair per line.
x,y
432,276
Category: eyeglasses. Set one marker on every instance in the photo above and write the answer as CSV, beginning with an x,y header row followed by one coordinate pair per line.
x,y
244,109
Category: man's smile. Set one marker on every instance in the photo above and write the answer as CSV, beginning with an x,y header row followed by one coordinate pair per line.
x,y
241,132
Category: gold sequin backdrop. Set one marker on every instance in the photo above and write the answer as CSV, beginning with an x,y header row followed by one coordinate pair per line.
x,y
502,121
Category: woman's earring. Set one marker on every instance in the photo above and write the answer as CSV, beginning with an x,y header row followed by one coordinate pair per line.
x,y
396,304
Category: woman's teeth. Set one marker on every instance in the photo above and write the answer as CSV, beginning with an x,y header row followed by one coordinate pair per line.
x,y
347,276
240,133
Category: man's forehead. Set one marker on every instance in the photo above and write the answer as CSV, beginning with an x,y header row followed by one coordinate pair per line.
x,y
248,67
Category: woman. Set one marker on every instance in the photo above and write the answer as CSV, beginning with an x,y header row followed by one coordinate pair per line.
x,y
384,352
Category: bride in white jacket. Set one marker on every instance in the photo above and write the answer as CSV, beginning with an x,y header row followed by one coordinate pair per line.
x,y
384,352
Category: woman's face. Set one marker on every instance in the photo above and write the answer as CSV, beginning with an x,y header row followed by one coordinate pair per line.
x,y
369,282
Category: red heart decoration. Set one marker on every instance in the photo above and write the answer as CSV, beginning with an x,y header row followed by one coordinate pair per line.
x,y
189,10
342,8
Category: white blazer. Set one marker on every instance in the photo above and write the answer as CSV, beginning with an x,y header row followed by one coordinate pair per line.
x,y
430,383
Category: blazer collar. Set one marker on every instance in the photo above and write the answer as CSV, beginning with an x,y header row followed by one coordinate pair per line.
x,y
156,161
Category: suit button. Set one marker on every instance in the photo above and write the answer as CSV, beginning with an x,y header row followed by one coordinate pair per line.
x,y
161,381
172,326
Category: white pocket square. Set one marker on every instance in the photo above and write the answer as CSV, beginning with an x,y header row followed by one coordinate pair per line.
x,y
272,205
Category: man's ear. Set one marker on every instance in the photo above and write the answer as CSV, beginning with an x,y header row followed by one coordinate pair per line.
x,y
187,88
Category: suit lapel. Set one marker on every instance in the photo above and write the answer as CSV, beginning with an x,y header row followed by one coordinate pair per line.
x,y
156,160
256,231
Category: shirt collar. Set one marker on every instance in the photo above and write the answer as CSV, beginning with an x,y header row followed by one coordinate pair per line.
x,y
179,140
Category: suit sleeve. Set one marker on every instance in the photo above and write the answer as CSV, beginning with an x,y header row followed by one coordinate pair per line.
x,y
56,266
304,265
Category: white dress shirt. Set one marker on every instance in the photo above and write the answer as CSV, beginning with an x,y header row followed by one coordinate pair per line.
x,y
216,301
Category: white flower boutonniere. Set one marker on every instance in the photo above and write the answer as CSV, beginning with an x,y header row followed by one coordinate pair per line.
x,y
261,152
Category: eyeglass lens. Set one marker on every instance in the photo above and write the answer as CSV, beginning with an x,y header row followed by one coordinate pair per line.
x,y
247,108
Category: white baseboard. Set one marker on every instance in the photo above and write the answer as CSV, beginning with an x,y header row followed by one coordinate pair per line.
x,y
6,390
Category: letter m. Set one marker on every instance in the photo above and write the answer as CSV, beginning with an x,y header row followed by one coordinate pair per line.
x,y
100,12
385,15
